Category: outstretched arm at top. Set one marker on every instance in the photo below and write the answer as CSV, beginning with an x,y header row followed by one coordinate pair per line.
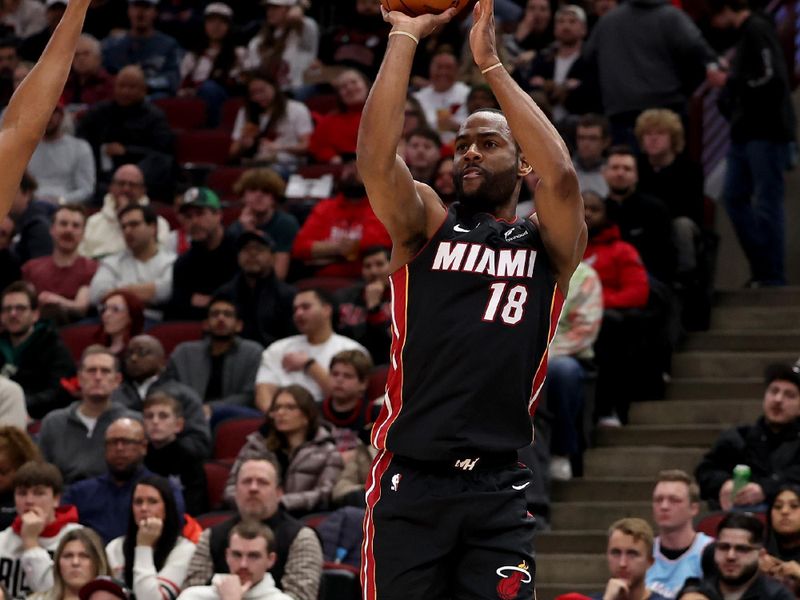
x,y
401,204
559,206
33,102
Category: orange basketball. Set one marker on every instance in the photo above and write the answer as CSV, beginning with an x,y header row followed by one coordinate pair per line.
x,y
414,8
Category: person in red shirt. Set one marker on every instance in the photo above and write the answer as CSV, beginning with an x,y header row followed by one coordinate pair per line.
x,y
335,134
62,279
339,229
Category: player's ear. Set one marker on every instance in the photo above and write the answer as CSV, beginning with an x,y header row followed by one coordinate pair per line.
x,y
524,168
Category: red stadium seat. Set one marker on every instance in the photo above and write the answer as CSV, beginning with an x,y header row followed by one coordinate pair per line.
x,y
77,337
171,334
329,284
203,147
217,472
323,104
317,171
231,213
208,520
222,180
229,436
168,212
709,523
183,113
230,109
377,382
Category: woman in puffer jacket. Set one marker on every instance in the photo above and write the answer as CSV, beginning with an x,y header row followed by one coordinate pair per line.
x,y
304,448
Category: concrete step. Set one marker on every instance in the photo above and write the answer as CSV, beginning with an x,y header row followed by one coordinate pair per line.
x,y
694,412
738,340
588,515
571,542
587,489
554,590
721,365
675,436
620,462
571,569
733,388
725,318
773,297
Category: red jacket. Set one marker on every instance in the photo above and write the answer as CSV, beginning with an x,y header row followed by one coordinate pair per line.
x,y
334,135
339,218
620,269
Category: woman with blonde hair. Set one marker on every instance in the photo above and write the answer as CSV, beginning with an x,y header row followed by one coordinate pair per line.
x,y
79,558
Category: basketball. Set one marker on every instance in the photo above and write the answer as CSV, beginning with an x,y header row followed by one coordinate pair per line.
x,y
415,8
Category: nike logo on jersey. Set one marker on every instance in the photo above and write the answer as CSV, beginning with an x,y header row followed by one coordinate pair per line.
x,y
521,487
460,229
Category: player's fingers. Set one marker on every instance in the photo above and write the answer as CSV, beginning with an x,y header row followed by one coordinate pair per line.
x,y
444,17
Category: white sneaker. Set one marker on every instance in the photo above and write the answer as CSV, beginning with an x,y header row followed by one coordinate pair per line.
x,y
560,468
610,421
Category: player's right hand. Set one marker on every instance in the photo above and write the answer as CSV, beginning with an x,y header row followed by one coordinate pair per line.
x,y
420,26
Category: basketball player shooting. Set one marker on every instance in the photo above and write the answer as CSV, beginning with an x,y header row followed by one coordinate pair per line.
x,y
34,100
476,296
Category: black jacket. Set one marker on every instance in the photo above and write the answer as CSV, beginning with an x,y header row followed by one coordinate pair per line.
x,y
38,365
763,588
33,227
773,458
370,328
173,460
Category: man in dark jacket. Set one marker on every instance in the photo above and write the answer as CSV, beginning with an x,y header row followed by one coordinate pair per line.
x,y
756,100
770,447
32,223
144,370
129,129
264,303
31,353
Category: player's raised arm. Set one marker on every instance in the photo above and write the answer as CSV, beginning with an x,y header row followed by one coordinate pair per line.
x,y
33,102
559,205
394,196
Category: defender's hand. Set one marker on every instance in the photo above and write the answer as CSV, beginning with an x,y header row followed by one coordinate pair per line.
x,y
482,40
420,26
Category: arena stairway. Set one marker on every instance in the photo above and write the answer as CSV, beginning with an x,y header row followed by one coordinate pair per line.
x,y
716,384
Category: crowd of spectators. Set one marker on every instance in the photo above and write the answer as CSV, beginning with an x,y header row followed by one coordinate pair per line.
x,y
114,234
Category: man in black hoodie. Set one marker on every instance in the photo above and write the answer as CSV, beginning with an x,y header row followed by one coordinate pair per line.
x,y
756,100
31,353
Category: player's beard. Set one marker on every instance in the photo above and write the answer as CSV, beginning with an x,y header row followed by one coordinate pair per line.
x,y
495,189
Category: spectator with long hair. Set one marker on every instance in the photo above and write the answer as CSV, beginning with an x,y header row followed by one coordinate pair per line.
x,y
121,318
210,70
152,557
303,446
782,560
79,558
336,133
287,44
16,448
270,129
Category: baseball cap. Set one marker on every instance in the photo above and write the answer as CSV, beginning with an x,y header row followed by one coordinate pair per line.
x,y
254,236
202,197
107,584
576,10
220,9
279,2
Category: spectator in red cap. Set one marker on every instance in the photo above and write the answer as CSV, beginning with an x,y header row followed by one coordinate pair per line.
x,y
113,588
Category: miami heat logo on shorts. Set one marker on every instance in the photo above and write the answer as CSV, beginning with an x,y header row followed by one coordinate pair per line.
x,y
511,580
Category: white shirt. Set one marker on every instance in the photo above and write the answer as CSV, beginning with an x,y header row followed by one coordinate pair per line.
x,y
263,590
272,371
453,99
119,270
296,123
298,54
147,582
63,168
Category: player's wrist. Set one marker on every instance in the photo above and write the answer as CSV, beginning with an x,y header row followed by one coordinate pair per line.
x,y
412,33
489,64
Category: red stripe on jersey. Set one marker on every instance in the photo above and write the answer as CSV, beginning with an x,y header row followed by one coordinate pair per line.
x,y
556,304
398,284
379,467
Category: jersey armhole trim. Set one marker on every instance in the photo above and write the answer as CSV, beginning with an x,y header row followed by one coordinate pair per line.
x,y
425,245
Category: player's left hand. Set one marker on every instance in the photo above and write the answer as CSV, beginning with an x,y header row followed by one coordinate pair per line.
x,y
482,39
420,26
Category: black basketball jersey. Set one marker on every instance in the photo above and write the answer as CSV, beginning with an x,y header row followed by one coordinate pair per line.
x,y
473,314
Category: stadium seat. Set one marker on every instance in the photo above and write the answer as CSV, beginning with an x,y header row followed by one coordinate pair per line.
x,y
208,520
217,472
317,171
183,113
323,104
229,436
170,334
329,284
229,111
203,147
168,212
77,337
709,523
231,212
376,386
222,180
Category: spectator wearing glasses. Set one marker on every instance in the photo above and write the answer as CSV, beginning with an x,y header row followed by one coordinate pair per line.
x,y
104,501
103,235
31,353
121,318
73,438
